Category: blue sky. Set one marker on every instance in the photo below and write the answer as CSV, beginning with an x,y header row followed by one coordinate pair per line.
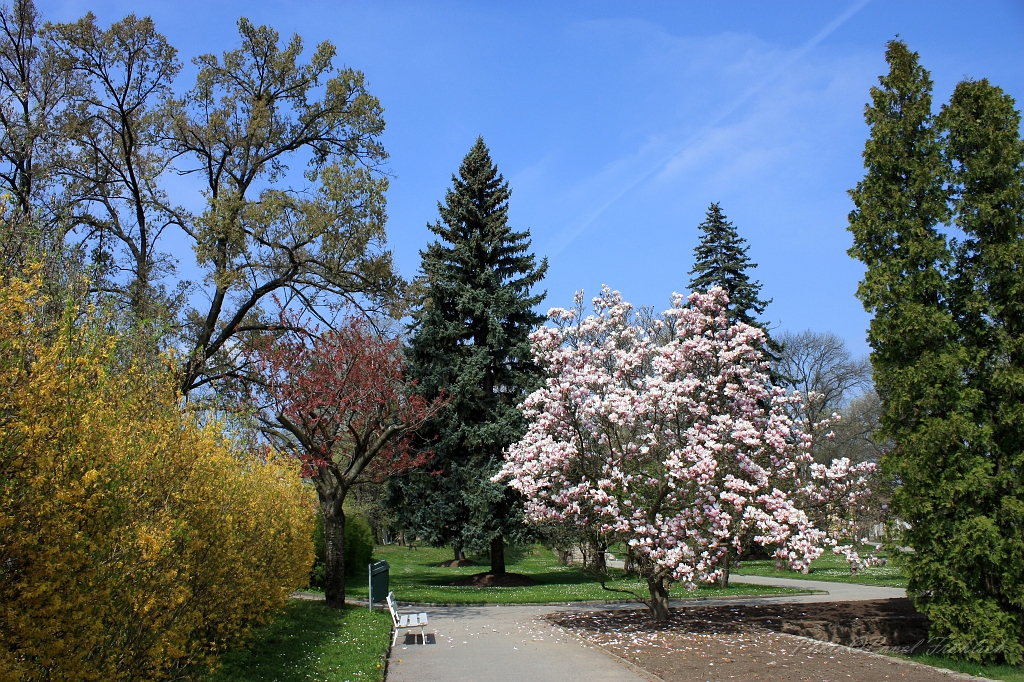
x,y
618,123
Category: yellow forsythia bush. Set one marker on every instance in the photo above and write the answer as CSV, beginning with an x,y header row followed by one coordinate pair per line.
x,y
135,543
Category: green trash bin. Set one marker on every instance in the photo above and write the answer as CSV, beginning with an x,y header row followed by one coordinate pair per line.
x,y
380,572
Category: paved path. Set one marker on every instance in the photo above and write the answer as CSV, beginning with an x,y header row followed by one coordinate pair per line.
x,y
513,644
836,591
499,644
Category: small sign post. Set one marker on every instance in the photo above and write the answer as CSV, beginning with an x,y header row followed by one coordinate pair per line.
x,y
380,572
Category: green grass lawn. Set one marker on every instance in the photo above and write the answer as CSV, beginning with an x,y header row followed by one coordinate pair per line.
x,y
417,577
831,567
309,642
1007,673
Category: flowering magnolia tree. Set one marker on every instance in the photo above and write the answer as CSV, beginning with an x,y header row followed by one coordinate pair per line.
x,y
836,497
339,403
671,438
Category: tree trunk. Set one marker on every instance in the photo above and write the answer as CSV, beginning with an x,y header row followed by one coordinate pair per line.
x,y
723,581
498,555
334,557
598,562
460,553
659,598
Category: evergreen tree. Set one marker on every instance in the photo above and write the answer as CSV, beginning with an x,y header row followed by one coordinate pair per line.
x,y
984,606
936,353
470,341
720,260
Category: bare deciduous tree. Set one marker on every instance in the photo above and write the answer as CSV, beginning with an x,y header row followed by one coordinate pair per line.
x,y
832,380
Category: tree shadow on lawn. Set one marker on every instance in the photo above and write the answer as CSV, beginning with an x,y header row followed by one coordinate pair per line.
x,y
542,575
416,577
513,554
536,562
546,577
307,637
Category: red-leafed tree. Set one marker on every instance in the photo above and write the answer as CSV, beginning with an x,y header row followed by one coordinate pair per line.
x,y
339,402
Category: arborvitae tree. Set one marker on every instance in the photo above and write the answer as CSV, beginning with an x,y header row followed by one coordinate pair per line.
x,y
942,347
720,260
982,606
470,340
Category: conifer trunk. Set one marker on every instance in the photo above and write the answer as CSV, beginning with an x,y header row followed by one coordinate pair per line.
x,y
498,555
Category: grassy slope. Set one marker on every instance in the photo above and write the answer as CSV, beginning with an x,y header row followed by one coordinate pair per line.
x,y
310,642
829,567
416,577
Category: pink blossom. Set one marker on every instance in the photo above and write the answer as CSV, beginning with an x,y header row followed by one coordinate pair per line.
x,y
672,439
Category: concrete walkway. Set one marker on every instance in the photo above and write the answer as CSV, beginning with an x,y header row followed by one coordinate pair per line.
x,y
513,644
499,644
836,591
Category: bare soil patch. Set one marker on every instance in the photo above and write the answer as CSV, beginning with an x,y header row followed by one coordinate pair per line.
x,y
757,642
495,580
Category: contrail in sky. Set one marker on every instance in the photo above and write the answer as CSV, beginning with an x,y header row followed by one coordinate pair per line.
x,y
568,237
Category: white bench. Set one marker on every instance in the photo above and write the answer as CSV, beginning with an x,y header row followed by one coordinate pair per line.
x,y
407,621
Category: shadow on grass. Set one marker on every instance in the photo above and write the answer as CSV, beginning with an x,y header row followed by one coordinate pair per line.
x,y
529,561
417,578
309,639
513,555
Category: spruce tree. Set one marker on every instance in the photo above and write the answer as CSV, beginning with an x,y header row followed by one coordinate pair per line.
x,y
721,260
947,386
470,341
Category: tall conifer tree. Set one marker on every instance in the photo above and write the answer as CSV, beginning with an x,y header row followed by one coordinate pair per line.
x,y
470,340
946,322
984,606
720,260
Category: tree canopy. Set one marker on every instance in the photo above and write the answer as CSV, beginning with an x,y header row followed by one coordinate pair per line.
x,y
96,133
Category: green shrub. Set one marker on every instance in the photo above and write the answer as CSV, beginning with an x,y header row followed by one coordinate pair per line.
x,y
358,545
358,548
136,542
316,574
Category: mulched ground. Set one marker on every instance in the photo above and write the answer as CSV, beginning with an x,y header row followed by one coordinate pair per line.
x,y
495,580
753,642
